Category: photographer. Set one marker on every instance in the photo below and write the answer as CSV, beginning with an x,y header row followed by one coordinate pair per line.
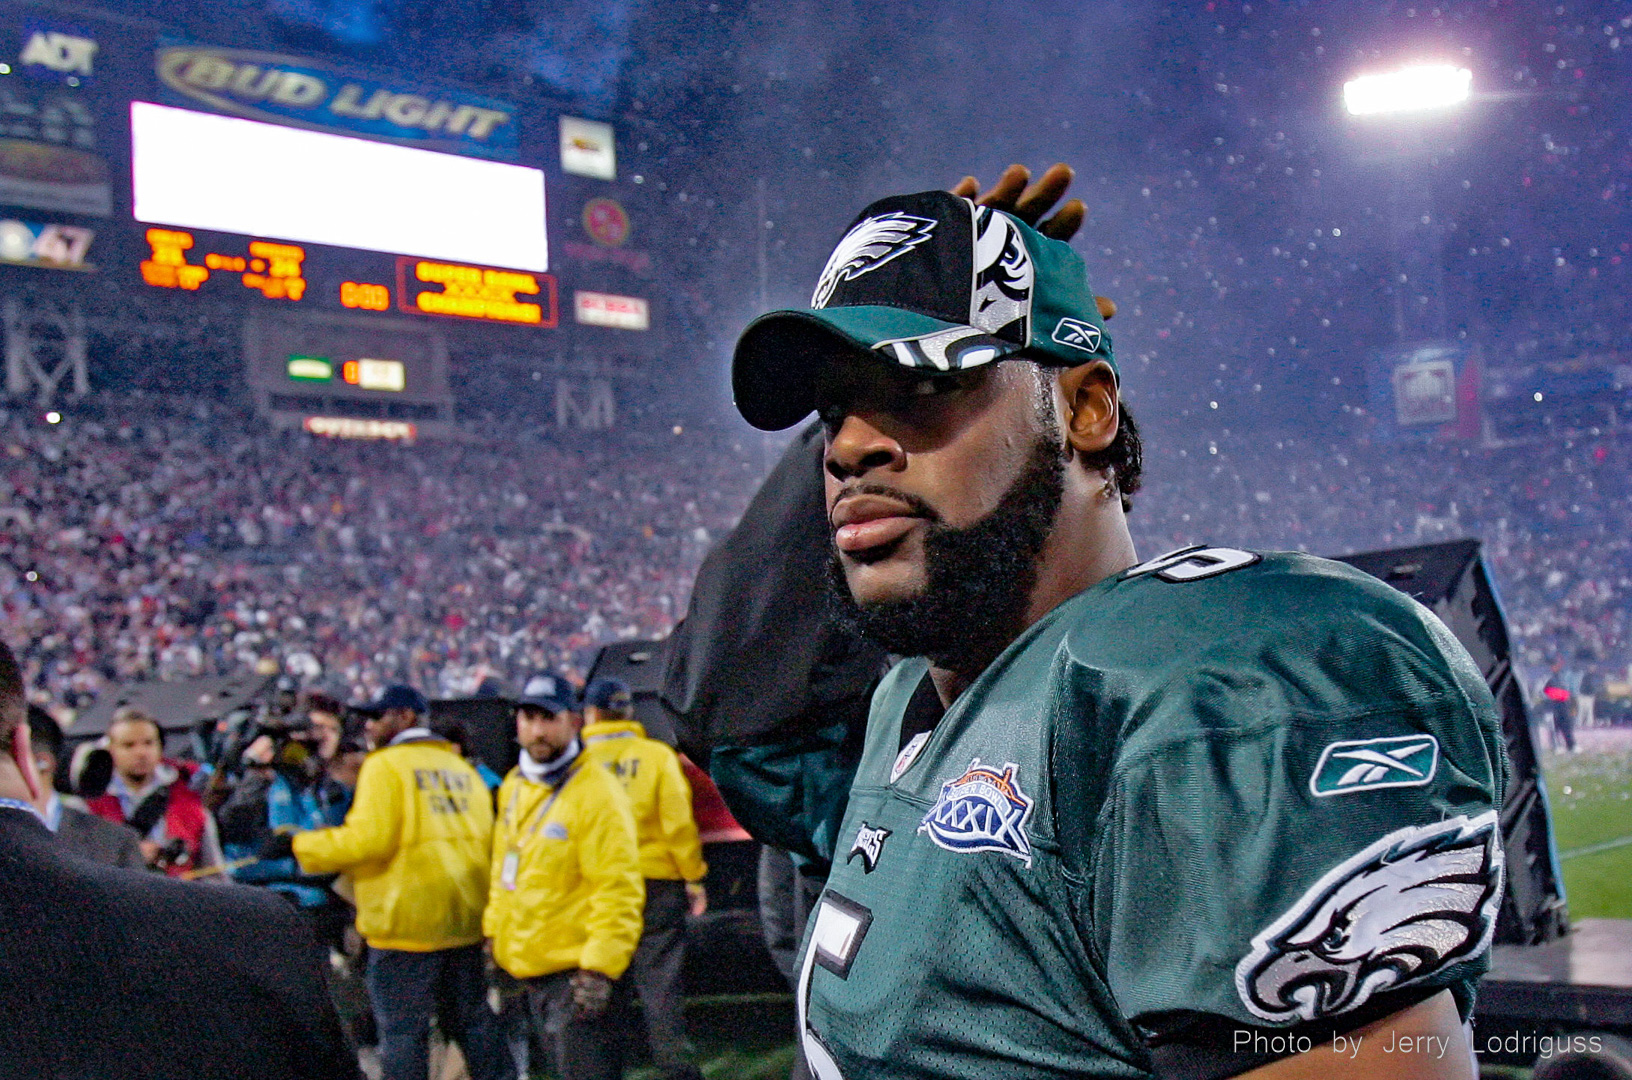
x,y
154,796
286,788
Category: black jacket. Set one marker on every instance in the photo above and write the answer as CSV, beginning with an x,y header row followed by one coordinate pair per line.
x,y
114,973
100,840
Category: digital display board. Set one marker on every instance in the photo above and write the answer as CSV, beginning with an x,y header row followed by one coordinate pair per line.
x,y
475,292
356,222
193,170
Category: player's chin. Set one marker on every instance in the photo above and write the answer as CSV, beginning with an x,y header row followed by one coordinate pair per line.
x,y
889,574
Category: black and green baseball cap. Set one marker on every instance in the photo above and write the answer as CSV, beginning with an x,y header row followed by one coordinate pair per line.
x,y
929,281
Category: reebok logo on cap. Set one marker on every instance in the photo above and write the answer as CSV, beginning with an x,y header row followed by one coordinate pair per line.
x,y
1077,334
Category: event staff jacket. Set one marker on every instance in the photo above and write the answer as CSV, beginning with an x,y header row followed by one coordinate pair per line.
x,y
658,793
415,845
566,889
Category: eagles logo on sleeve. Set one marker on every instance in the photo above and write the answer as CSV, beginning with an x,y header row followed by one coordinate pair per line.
x,y
1414,902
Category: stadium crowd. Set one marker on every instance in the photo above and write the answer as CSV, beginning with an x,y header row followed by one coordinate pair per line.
x,y
147,541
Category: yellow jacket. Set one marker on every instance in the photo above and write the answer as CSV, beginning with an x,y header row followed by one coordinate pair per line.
x,y
416,846
578,897
658,791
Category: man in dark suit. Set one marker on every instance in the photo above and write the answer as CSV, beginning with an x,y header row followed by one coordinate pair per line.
x,y
77,829
106,973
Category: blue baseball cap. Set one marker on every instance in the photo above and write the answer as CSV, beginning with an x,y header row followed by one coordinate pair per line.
x,y
548,691
609,694
399,697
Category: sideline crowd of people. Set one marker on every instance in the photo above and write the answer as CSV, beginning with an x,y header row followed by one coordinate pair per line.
x,y
415,865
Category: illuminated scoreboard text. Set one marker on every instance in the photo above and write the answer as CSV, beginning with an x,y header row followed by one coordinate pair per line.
x,y
475,292
273,270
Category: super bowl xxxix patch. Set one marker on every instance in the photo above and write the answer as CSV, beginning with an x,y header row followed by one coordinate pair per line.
x,y
982,810
1416,901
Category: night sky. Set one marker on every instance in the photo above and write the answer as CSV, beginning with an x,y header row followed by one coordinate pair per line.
x,y
1253,233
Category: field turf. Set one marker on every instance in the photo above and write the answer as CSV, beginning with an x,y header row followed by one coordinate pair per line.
x,y
1590,794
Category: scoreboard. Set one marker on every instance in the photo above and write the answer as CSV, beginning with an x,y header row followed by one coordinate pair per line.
x,y
358,225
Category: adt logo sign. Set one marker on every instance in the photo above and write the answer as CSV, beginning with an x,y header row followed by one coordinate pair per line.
x,y
57,53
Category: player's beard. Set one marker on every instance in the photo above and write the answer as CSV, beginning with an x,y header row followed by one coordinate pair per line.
x,y
978,579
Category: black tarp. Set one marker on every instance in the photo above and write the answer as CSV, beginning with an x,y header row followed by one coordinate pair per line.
x,y
758,655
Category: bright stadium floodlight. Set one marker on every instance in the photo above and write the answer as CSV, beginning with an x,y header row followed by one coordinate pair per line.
x,y
1412,89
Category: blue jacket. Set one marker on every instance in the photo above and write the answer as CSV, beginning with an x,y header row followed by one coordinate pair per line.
x,y
322,805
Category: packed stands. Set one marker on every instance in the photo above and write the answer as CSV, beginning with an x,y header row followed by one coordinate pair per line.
x,y
146,538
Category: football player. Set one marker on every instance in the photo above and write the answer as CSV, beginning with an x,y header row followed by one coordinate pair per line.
x,y
1216,813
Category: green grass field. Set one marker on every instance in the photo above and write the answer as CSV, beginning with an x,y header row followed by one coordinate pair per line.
x,y
1591,798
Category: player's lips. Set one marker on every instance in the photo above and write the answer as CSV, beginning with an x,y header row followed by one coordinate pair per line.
x,y
861,522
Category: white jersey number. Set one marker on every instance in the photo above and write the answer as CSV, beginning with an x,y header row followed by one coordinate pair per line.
x,y
1194,563
835,938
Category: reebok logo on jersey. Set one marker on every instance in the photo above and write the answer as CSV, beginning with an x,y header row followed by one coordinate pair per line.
x,y
869,845
1416,901
1372,764
982,810
1077,334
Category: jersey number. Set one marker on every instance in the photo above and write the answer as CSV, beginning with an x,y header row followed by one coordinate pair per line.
x,y
835,937
1194,563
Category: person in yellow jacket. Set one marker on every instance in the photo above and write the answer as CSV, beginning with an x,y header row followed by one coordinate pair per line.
x,y
671,860
416,845
564,912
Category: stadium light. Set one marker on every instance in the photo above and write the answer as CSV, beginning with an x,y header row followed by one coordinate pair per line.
x,y
1411,89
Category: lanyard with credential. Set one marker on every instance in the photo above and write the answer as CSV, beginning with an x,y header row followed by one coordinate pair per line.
x,y
512,857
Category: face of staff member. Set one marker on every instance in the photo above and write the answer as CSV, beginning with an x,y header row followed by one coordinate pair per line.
x,y
543,734
399,709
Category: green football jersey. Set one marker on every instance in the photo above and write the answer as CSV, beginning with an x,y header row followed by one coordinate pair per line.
x,y
1221,795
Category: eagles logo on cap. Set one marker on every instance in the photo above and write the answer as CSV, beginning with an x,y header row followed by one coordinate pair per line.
x,y
931,282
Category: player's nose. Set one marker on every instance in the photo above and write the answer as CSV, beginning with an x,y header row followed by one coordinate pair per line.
x,y
859,447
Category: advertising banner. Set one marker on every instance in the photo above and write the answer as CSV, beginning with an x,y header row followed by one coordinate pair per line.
x,y
604,309
588,148
1425,392
306,93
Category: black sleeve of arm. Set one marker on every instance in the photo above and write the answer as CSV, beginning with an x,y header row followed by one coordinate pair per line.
x,y
314,1041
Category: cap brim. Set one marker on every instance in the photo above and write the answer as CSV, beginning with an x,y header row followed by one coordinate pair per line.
x,y
777,359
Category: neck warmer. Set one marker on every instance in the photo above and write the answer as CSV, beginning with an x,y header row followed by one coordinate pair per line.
x,y
550,773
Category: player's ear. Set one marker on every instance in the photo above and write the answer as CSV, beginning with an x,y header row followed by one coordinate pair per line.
x,y
1092,410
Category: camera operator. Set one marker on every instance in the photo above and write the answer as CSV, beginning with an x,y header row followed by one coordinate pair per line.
x,y
154,796
286,788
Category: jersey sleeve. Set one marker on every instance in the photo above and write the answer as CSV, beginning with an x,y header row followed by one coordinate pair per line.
x,y
791,794
1309,843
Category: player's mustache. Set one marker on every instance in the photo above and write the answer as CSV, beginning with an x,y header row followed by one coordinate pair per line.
x,y
917,505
